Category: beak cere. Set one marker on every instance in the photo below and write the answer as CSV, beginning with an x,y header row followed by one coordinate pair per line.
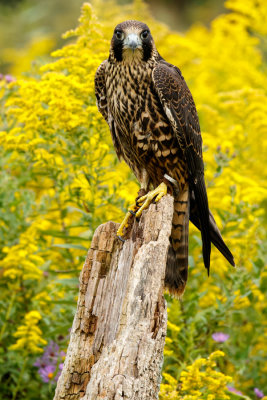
x,y
132,41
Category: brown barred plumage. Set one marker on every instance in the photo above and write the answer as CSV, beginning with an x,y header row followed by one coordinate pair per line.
x,y
155,129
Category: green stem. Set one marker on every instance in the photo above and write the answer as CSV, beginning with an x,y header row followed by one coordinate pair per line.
x,y
8,312
19,378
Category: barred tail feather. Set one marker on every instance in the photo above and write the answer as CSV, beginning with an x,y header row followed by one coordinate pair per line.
x,y
203,213
215,234
217,240
177,261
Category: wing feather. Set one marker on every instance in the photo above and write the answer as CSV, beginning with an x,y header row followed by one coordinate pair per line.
x,y
102,104
180,109
100,90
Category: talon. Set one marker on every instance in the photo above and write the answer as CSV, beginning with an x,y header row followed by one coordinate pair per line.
x,y
137,202
157,193
141,204
124,224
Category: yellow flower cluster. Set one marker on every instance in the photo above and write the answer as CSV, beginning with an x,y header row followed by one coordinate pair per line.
x,y
200,381
29,335
23,262
209,384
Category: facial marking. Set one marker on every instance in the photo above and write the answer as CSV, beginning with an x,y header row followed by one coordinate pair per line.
x,y
132,42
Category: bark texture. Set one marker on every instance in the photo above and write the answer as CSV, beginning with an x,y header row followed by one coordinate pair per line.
x,y
118,333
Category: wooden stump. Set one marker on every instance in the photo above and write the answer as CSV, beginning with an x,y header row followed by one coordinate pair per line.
x,y
118,334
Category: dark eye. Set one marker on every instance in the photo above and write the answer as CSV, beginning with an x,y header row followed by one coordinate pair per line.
x,y
119,35
144,34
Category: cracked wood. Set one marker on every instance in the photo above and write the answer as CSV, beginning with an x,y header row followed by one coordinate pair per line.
x,y
118,333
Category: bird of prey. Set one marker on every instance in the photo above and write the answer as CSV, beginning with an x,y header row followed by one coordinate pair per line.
x,y
155,128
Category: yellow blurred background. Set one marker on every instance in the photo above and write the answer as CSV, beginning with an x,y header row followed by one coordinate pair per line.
x,y
31,29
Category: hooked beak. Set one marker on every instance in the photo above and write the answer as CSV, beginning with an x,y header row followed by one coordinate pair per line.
x,y
132,42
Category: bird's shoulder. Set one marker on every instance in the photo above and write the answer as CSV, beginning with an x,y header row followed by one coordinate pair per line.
x,y
100,89
161,62
101,68
179,106
169,79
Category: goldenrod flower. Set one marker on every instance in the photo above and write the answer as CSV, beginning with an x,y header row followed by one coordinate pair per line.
x,y
29,335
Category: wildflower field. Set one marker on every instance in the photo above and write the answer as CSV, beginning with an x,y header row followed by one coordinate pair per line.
x,y
60,179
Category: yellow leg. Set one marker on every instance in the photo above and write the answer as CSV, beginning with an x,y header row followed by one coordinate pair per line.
x,y
131,211
145,201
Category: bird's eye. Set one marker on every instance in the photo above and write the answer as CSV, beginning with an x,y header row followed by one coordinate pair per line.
x,y
144,34
119,35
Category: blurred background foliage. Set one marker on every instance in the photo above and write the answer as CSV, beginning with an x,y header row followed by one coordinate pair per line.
x,y
30,29
59,179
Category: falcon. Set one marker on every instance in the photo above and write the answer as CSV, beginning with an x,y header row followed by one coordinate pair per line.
x,y
155,128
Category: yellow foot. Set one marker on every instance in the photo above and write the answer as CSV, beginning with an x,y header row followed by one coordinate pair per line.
x,y
144,201
131,211
141,204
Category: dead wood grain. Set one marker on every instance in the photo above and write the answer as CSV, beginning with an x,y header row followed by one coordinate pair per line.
x,y
118,333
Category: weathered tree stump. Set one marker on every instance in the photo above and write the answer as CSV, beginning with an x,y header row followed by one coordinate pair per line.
x,y
118,334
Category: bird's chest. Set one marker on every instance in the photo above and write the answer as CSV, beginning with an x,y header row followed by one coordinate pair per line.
x,y
128,95
136,110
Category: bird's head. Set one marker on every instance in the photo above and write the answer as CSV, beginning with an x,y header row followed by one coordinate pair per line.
x,y
132,42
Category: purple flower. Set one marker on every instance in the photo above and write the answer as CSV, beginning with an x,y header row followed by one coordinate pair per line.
x,y
46,373
220,337
52,351
9,78
234,390
258,393
1,76
50,364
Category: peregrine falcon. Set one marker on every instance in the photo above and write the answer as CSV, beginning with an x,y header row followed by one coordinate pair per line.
x,y
155,128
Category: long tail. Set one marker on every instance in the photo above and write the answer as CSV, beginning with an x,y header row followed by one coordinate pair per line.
x,y
200,192
215,234
177,261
